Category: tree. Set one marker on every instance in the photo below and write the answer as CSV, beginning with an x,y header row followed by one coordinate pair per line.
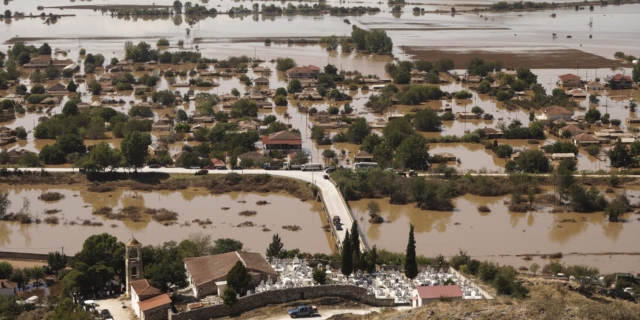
x,y
71,87
102,156
534,268
294,86
95,88
355,246
275,248
410,263
238,277
135,148
244,108
5,203
163,266
57,261
70,143
347,255
280,100
320,276
413,152
533,161
281,92
444,65
67,310
284,64
37,89
177,6
586,277
229,297
619,155
358,130
592,115
224,245
6,269
427,120
377,41
635,74
70,108
330,69
617,207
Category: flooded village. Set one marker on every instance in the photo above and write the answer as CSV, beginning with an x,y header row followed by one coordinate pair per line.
x,y
303,143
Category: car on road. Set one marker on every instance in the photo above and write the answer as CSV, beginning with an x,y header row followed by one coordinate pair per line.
x,y
236,168
202,172
155,166
105,315
330,169
195,167
222,168
303,311
326,176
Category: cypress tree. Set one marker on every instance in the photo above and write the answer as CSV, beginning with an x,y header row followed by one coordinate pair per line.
x,y
355,246
347,256
410,263
275,248
71,87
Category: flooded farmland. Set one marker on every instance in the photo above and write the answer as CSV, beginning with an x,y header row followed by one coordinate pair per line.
x,y
500,235
192,205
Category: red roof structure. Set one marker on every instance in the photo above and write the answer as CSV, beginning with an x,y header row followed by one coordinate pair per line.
x,y
619,77
282,137
313,68
155,302
436,292
568,76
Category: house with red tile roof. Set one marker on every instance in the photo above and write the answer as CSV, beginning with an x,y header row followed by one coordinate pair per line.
x,y
283,140
619,82
569,80
425,295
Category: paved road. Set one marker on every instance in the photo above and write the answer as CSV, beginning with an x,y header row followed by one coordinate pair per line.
x,y
333,202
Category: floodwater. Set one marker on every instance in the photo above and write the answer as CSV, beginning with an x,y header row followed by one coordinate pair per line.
x,y
499,235
193,203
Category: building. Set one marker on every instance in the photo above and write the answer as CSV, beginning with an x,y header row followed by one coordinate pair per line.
x,y
8,288
283,140
261,81
577,93
378,123
204,272
57,88
155,148
569,80
572,129
141,290
619,82
417,80
427,294
133,262
246,125
162,125
633,120
584,139
322,115
554,113
466,116
474,79
308,94
6,138
217,163
257,158
492,133
156,308
40,62
594,86
314,69
562,156
362,156
446,156
300,72
14,155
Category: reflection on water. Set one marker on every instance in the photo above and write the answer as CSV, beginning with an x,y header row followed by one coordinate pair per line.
x,y
190,204
499,232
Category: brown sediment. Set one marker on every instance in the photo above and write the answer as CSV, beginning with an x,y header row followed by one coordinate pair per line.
x,y
311,40
111,6
551,58
439,29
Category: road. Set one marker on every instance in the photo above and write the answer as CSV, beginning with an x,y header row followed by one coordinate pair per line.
x,y
333,201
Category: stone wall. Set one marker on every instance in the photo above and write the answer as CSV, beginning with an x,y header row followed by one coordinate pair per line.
x,y
282,296
23,255
160,313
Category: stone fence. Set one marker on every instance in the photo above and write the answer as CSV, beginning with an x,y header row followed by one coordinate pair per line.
x,y
23,255
263,299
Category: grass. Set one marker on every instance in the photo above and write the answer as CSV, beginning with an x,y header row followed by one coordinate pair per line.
x,y
52,211
51,220
292,228
248,213
162,215
246,224
51,196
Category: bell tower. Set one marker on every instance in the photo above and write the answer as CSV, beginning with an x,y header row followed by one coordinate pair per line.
x,y
133,262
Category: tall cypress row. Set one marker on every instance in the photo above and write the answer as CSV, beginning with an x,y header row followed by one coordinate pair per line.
x,y
347,256
410,263
355,246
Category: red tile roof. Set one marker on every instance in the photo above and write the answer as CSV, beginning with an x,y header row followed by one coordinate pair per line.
x,y
6,284
556,110
435,292
144,290
568,76
283,137
584,137
212,268
41,59
299,70
313,68
619,77
155,302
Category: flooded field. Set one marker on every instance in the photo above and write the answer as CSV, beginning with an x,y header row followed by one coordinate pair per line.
x,y
500,235
191,204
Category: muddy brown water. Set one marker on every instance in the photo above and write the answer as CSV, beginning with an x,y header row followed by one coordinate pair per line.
x,y
193,203
499,235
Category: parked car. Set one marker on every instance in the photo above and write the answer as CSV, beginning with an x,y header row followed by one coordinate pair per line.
x,y
236,168
326,176
330,169
105,315
303,311
195,167
155,166
222,168
202,172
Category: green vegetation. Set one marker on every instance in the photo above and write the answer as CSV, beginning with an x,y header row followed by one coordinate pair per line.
x,y
374,41
410,263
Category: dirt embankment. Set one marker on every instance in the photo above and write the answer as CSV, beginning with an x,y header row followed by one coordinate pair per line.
x,y
533,59
14,40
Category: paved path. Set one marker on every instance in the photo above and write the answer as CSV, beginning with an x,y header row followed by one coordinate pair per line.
x,y
333,201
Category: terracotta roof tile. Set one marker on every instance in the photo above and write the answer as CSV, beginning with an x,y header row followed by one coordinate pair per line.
x,y
568,76
144,290
435,292
211,268
155,302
